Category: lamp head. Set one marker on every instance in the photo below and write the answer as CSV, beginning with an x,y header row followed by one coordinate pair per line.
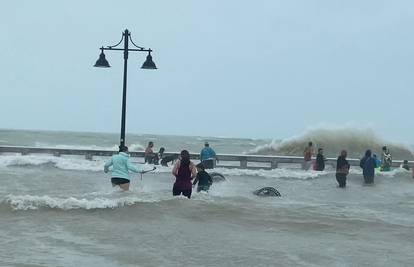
x,y
149,64
102,62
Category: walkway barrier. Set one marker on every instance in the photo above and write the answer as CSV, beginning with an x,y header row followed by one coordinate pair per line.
x,y
225,160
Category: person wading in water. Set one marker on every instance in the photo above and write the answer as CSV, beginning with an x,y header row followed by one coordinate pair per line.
x,y
184,171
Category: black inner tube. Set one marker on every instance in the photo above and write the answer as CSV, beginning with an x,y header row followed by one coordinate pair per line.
x,y
217,177
267,192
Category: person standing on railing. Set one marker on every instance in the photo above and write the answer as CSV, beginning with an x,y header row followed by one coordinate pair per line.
x,y
208,156
121,166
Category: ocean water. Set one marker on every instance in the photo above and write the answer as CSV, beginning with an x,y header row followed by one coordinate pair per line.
x,y
62,211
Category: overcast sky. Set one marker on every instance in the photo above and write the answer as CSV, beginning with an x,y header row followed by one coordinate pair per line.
x,y
226,68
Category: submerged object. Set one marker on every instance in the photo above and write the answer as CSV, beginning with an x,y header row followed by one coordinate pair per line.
x,y
267,192
217,177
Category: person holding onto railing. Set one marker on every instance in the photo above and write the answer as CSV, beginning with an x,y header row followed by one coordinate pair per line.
x,y
208,156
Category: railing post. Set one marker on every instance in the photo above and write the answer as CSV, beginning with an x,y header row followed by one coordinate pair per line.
x,y
273,164
243,162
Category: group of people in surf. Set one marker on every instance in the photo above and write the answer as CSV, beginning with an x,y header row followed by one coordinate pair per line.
x,y
187,174
370,164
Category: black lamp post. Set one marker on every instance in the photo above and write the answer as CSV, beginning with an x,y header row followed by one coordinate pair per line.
x,y
103,63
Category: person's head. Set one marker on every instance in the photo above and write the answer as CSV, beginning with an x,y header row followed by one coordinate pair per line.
x,y
123,149
384,148
200,166
374,156
344,153
185,156
310,144
161,150
150,144
206,144
368,153
405,161
320,150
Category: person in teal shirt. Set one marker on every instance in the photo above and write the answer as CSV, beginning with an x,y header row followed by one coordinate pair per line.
x,y
121,166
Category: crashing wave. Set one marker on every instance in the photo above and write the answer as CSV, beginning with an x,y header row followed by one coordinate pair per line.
x,y
355,141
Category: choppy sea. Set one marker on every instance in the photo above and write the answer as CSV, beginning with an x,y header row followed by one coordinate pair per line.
x,y
63,211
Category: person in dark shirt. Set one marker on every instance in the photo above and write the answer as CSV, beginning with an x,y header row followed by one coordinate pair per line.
x,y
320,161
203,179
405,165
368,166
342,169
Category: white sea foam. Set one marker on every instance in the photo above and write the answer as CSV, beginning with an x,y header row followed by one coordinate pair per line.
x,y
30,202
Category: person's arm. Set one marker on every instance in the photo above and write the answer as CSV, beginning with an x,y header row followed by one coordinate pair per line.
x,y
175,168
195,180
134,168
193,170
107,165
210,180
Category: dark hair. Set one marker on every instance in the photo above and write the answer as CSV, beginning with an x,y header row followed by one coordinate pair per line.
x,y
150,143
368,153
206,144
320,149
405,161
185,158
161,150
200,166
123,149
384,148
310,144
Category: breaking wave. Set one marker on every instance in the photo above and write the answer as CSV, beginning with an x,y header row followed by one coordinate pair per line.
x,y
355,141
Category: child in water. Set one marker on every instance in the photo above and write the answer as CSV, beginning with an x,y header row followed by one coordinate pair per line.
x,y
203,178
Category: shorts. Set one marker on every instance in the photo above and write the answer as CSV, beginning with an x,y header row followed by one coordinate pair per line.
x,y
118,181
185,192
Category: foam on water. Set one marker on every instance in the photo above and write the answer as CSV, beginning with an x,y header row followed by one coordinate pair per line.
x,y
102,201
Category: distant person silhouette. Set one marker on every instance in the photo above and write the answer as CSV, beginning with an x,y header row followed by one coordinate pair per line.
x,y
368,166
342,169
307,156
